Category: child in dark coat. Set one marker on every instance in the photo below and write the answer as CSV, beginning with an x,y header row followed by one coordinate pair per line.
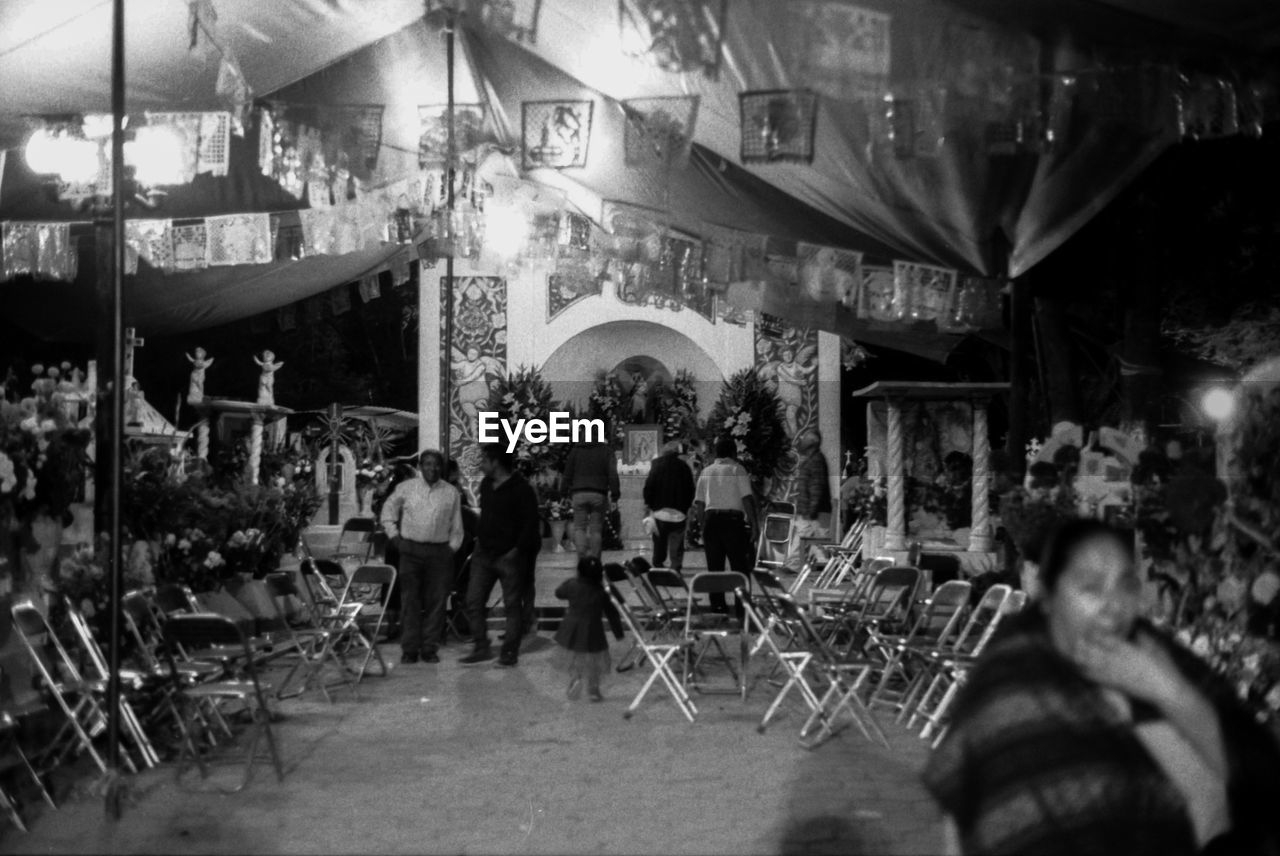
x,y
581,633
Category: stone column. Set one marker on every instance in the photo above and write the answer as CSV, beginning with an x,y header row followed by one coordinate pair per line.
x,y
433,360
895,536
980,532
255,448
202,440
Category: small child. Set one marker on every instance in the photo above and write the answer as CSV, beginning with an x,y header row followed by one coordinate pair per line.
x,y
581,633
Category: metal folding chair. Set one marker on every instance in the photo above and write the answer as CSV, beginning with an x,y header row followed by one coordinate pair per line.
x,y
938,621
658,655
10,744
706,629
362,529
638,601
314,645
209,631
370,587
775,538
794,660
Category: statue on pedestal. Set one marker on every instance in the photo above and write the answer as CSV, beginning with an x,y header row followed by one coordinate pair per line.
x,y
266,381
200,362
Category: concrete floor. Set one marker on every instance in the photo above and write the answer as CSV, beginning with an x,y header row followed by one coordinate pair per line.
x,y
475,759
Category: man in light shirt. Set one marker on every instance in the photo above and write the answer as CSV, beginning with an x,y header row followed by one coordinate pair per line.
x,y
423,517
726,505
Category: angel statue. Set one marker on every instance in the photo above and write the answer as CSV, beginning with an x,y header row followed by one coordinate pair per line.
x,y
200,362
472,373
788,376
267,380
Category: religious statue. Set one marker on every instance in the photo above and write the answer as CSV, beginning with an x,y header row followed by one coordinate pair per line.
x,y
267,381
200,362
133,398
639,397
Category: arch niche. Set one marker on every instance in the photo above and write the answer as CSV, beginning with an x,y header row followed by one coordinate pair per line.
x,y
573,367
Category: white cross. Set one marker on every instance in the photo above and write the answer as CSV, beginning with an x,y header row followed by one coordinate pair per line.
x,y
131,341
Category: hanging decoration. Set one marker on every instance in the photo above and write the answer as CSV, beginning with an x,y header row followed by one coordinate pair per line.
x,y
433,139
674,35
841,51
579,263
556,133
40,250
238,239
189,251
659,131
828,274
369,288
922,291
150,241
877,296
975,305
778,125
1207,107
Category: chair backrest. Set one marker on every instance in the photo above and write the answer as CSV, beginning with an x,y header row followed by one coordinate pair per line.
x,y
809,637
983,620
1017,600
176,597
360,524
370,575
371,586
365,527
93,655
628,618
208,631
943,612
143,623
667,588
890,593
41,643
775,539
280,584
717,582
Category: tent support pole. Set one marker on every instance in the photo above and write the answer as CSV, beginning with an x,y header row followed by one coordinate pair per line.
x,y
114,785
451,154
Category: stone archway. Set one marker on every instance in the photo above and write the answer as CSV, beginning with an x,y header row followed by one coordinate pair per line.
x,y
573,367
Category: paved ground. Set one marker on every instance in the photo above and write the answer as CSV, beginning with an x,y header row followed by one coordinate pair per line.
x,y
454,759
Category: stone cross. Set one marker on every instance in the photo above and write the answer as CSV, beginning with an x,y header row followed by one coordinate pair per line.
x,y
131,341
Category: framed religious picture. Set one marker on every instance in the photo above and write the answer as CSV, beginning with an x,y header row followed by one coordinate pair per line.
x,y
641,444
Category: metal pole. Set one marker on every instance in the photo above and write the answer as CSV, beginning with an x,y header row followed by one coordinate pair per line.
x,y
114,785
446,346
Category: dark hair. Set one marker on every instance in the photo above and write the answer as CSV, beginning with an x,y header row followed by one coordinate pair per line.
x,y
1066,539
431,453
590,570
726,447
497,454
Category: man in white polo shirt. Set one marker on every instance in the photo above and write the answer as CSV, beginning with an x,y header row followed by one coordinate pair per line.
x,y
726,505
424,518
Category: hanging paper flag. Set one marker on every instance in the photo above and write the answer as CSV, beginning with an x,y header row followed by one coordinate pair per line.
x,y
674,35
877,296
369,287
151,241
575,231
352,136
215,143
287,240
401,269
659,131
828,274
238,239
317,231
924,290
976,305
340,299
433,120
556,133
635,233
288,317
841,51
186,126
318,193
189,251
266,141
511,19
232,88
778,125
40,250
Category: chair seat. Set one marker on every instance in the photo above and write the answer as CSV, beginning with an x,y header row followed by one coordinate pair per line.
x,y
714,622
226,689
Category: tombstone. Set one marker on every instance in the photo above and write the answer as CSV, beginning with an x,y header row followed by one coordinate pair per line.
x,y
348,506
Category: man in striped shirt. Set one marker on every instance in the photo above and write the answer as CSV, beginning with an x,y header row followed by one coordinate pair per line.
x,y
423,517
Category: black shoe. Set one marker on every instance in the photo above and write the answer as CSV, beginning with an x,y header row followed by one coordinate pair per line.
x,y
431,658
479,655
409,657
507,660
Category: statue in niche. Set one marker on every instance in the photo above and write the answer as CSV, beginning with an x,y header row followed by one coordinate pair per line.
x,y
267,381
200,362
639,398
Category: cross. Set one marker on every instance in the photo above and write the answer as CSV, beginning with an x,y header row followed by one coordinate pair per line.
x,y
131,341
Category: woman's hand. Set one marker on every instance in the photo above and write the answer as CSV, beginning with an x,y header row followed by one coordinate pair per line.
x,y
1141,668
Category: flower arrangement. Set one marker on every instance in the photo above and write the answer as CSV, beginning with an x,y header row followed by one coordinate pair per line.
x,y
556,509
523,394
867,499
608,402
82,580
677,407
751,413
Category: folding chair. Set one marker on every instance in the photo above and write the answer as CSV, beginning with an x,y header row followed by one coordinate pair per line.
x,y
704,629
669,597
883,605
830,555
370,587
10,745
793,660
363,529
210,631
659,656
314,645
640,604
318,578
937,622
173,598
775,538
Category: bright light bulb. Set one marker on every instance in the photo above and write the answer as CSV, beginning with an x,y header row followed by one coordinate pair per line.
x,y
41,153
1218,404
155,153
506,231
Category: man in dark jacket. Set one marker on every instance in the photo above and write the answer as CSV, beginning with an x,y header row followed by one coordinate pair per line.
x,y
508,538
813,497
591,478
668,495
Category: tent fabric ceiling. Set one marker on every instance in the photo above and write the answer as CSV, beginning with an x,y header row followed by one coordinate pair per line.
x,y
962,210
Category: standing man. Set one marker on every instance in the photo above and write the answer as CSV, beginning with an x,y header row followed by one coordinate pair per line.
x,y
508,538
726,506
423,518
813,497
591,477
668,495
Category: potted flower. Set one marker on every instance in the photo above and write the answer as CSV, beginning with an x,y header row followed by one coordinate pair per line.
x,y
751,413
370,475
